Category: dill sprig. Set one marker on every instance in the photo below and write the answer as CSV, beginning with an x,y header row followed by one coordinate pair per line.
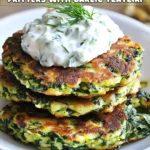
x,y
75,10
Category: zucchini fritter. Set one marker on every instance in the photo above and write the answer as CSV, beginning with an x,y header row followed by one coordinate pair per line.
x,y
141,98
118,67
93,131
12,90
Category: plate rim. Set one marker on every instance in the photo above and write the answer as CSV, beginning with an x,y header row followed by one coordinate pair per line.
x,y
145,27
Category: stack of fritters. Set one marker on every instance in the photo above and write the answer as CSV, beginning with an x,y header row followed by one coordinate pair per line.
x,y
95,106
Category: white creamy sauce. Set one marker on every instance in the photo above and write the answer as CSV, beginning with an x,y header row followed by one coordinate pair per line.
x,y
68,45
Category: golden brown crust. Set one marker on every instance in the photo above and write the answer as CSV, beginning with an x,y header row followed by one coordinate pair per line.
x,y
83,125
7,77
105,67
113,121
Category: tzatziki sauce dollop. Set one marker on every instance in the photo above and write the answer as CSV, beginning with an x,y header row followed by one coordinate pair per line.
x,y
53,41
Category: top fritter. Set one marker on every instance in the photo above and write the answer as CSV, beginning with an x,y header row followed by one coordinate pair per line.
x,y
119,66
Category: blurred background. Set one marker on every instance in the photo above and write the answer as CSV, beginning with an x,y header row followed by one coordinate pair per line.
x,y
140,12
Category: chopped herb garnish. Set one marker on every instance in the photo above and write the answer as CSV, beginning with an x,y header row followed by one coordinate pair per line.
x,y
72,60
82,43
74,10
57,37
65,48
52,25
102,22
68,31
47,44
108,30
53,17
92,40
59,31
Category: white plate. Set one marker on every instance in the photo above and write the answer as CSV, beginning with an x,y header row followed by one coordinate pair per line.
x,y
138,31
